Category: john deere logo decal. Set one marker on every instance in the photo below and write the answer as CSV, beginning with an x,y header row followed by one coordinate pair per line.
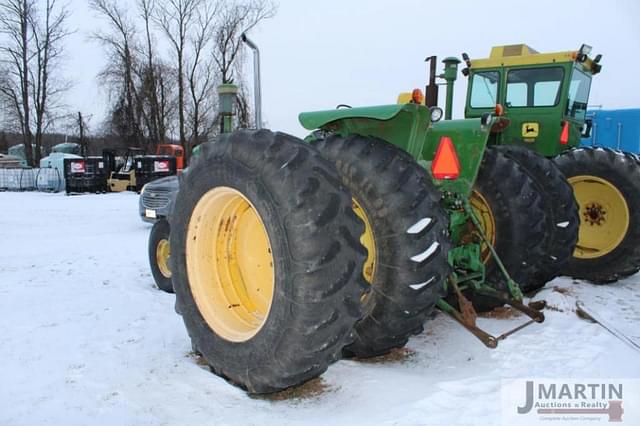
x,y
530,130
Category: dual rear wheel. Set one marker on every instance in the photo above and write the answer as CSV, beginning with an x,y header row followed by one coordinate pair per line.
x,y
266,259
560,221
406,235
606,184
286,257
590,200
510,210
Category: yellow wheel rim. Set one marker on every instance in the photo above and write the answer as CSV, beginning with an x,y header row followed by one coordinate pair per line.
x,y
604,216
163,253
230,264
367,239
483,212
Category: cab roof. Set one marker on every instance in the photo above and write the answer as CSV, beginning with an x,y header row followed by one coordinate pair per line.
x,y
521,54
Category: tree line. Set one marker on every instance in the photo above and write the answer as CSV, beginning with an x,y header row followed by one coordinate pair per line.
x,y
165,59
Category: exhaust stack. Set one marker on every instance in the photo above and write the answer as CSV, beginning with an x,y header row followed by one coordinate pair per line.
x,y
256,80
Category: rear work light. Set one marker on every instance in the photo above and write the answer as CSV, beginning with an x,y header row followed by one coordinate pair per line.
x,y
564,135
417,97
445,164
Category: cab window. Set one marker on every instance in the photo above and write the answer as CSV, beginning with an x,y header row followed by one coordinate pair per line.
x,y
534,87
484,89
578,95
517,95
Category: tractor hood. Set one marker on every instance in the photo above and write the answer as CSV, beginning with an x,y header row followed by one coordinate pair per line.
x,y
317,119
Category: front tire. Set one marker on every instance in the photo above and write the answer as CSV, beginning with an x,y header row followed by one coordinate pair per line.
x,y
160,255
406,236
607,187
267,262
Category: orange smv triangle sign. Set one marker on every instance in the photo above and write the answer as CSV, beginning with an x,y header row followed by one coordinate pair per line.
x,y
445,164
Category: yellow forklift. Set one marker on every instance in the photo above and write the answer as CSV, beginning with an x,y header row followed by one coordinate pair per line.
x,y
123,177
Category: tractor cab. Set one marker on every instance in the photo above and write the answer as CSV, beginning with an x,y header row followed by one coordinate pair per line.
x,y
542,96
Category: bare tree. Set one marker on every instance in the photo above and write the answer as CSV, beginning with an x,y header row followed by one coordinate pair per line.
x,y
49,32
14,84
148,93
155,128
81,130
31,49
201,75
205,37
156,79
166,100
175,17
119,74
10,94
234,19
4,145
243,108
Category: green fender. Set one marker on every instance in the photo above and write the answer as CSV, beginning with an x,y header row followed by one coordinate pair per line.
x,y
403,125
408,127
319,119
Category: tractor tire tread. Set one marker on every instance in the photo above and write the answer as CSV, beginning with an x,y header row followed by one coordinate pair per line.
x,y
160,231
561,212
622,169
312,229
520,223
395,193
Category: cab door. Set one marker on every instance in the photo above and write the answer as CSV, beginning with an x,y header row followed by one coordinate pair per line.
x,y
534,102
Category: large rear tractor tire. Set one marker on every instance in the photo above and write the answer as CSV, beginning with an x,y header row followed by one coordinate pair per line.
x,y
406,236
160,255
561,212
606,184
267,261
511,213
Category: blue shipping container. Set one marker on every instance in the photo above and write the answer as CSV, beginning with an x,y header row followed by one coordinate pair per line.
x,y
615,128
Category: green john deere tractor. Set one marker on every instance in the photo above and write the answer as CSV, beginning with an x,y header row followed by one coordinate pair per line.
x,y
288,254
543,99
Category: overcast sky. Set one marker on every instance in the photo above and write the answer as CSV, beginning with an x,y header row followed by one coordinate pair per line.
x,y
316,55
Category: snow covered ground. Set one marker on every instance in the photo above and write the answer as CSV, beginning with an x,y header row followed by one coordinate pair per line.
x,y
86,338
